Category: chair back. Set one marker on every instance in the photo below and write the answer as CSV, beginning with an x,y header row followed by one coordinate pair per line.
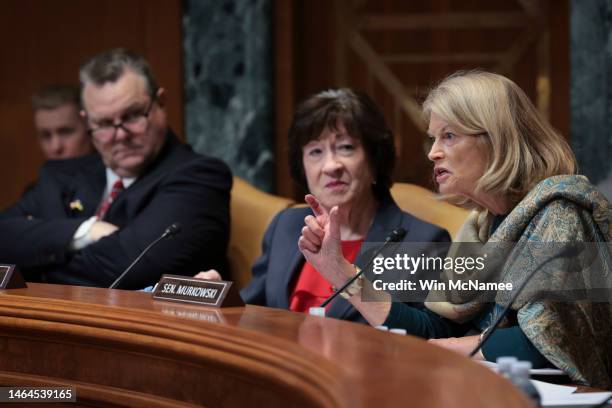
x,y
251,211
423,204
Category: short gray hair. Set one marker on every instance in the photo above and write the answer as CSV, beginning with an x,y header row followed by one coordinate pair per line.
x,y
110,65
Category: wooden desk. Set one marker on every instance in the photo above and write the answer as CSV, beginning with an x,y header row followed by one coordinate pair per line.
x,y
122,348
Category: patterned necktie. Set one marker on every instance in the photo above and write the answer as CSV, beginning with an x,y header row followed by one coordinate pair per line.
x,y
105,205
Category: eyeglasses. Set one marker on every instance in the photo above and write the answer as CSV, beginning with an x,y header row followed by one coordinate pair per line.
x,y
131,122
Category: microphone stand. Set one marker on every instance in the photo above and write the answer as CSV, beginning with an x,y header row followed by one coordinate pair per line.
x,y
395,236
170,231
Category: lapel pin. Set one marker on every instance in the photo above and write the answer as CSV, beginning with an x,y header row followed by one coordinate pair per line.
x,y
76,205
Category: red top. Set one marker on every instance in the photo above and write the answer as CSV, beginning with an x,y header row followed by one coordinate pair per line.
x,y
311,289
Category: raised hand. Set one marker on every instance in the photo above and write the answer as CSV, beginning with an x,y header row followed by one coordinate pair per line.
x,y
321,245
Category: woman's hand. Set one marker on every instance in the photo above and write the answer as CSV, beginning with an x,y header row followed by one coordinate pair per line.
x,y
210,274
320,243
461,345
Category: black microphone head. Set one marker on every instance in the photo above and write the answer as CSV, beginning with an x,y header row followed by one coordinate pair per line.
x,y
397,235
173,229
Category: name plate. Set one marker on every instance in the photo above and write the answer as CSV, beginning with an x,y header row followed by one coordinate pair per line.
x,y
200,291
10,278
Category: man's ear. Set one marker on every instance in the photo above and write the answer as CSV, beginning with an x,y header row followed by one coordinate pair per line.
x,y
83,114
160,96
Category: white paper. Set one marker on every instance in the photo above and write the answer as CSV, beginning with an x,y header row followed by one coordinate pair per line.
x,y
533,371
583,398
560,395
553,391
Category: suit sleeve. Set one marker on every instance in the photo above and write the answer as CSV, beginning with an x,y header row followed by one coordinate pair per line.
x,y
255,292
29,238
197,196
440,235
511,341
423,322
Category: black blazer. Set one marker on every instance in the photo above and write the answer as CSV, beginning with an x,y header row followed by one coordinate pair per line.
x,y
179,186
274,273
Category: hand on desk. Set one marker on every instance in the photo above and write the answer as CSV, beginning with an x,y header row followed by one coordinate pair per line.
x,y
211,274
461,345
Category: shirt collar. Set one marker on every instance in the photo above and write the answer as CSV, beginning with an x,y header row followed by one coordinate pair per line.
x,y
112,177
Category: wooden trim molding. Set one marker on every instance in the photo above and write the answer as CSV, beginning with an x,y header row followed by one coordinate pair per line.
x,y
122,348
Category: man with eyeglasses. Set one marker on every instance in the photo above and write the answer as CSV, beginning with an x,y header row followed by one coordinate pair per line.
x,y
88,218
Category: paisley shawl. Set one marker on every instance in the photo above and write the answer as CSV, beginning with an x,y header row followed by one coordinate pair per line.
x,y
574,335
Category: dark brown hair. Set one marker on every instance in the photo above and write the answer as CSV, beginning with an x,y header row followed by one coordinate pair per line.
x,y
362,120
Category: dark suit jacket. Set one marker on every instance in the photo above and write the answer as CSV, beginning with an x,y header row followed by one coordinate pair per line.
x,y
275,271
179,186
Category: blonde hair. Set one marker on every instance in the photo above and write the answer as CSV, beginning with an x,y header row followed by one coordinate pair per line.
x,y
522,147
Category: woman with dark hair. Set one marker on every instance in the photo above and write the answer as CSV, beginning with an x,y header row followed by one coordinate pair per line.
x,y
493,152
341,149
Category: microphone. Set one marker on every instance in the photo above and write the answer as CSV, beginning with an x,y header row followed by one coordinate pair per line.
x,y
395,236
171,231
568,251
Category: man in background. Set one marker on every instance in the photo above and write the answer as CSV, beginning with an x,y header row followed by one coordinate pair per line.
x,y
61,130
88,218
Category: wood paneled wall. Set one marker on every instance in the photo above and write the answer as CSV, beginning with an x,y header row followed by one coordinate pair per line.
x,y
395,50
45,42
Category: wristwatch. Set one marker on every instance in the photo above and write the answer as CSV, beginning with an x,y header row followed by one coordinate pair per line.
x,y
354,287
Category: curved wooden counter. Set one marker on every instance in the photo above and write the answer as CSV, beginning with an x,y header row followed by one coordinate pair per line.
x,y
122,348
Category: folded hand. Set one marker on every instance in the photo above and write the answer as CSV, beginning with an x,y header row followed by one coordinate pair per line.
x,y
210,274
